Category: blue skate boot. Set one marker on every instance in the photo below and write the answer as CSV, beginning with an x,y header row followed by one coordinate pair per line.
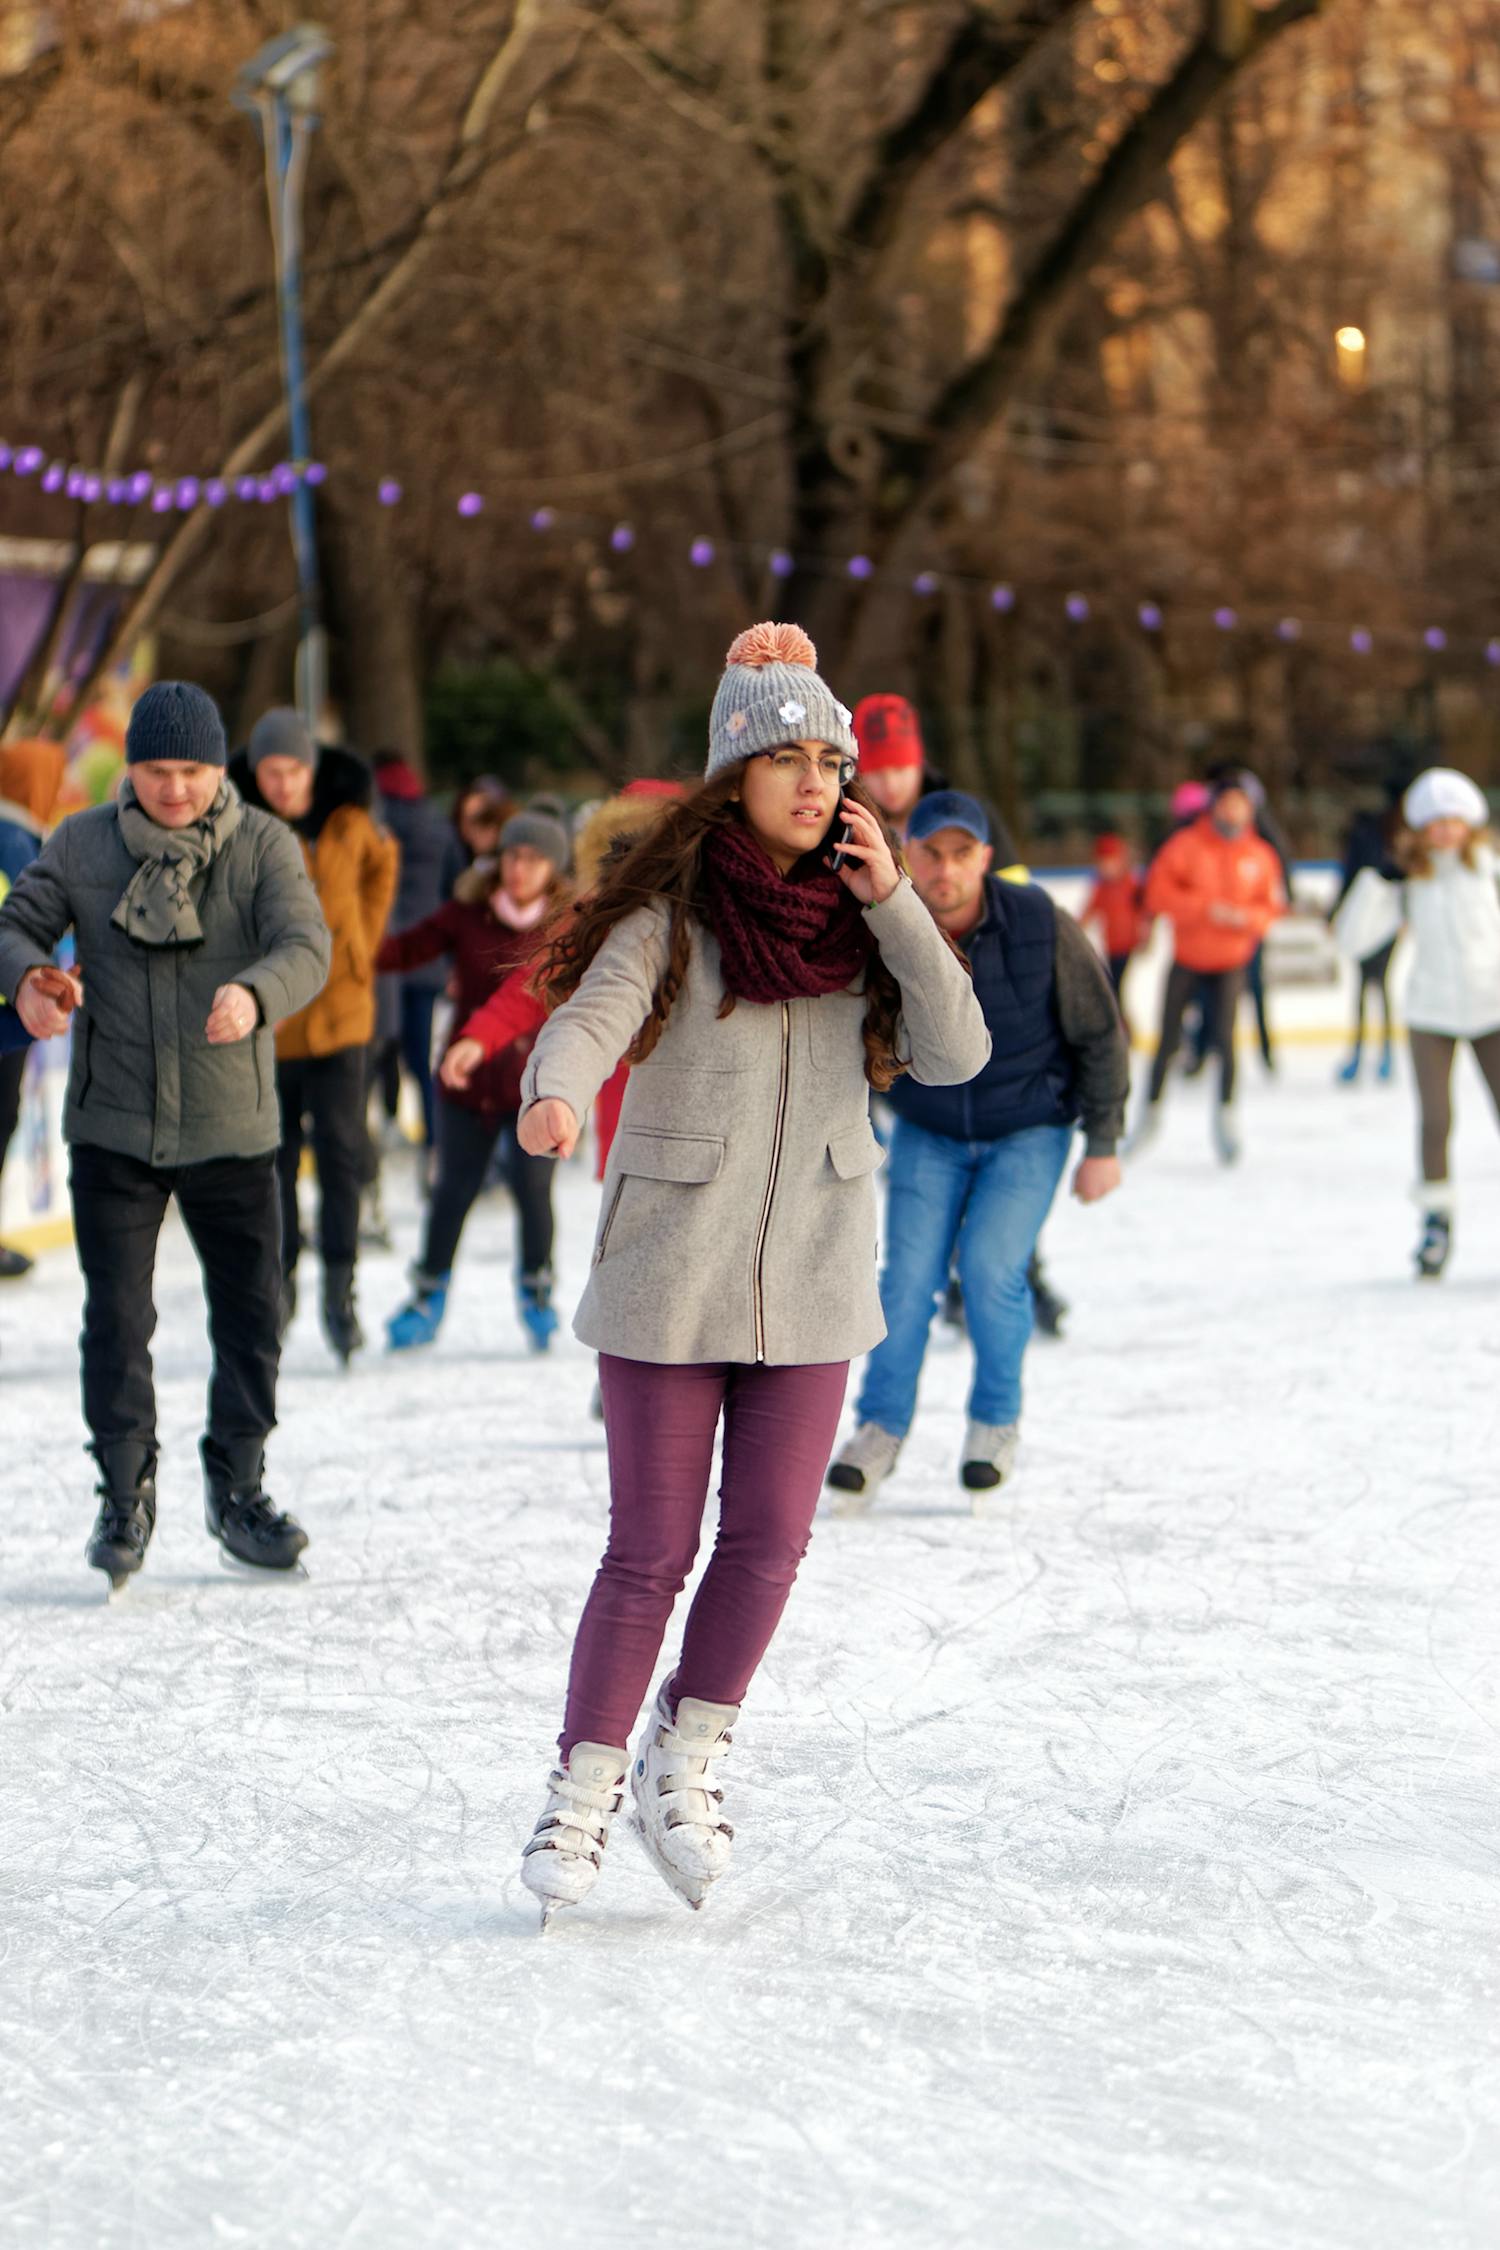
x,y
419,1320
534,1304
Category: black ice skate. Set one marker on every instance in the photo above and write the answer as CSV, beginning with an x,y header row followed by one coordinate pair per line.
x,y
1051,1310
340,1320
127,1511
247,1524
1435,1245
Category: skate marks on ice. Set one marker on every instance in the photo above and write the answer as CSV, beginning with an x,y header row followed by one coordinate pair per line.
x,y
1118,1870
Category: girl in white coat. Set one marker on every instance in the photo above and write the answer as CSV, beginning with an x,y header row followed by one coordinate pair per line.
x,y
1449,901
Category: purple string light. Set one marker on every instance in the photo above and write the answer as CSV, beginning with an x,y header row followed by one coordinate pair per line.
x,y
161,500
316,472
6,456
388,492
268,490
1077,608
189,493
285,479
1436,639
138,487
245,488
117,491
28,460
92,488
216,492
54,477
925,582
1361,640
542,519
701,553
470,504
73,484
1289,629
1226,619
860,566
1492,652
780,563
1149,614
1003,599
622,539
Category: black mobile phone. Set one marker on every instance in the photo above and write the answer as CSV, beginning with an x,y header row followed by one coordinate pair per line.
x,y
836,856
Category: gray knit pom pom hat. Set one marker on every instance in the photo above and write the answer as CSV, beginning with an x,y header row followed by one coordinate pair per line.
x,y
771,694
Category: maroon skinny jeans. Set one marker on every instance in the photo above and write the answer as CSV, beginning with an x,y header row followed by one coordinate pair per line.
x,y
779,1428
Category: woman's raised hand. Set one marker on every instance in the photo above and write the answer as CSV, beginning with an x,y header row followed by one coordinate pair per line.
x,y
548,1129
873,874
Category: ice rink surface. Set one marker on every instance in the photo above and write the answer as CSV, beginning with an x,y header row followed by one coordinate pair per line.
x,y
1124,1870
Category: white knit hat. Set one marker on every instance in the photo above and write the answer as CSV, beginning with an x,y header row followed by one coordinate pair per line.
x,y
1442,794
770,694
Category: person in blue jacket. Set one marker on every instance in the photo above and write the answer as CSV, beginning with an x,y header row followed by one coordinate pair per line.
x,y
974,1168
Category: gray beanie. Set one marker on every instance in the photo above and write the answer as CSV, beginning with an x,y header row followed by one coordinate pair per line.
x,y
770,694
281,734
538,831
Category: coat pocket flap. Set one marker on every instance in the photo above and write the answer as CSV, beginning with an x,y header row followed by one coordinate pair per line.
x,y
689,1159
854,1152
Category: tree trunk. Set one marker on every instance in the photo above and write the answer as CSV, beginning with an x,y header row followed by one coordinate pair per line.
x,y
372,631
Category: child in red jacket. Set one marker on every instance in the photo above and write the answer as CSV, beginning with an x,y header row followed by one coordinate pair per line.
x,y
489,928
1115,907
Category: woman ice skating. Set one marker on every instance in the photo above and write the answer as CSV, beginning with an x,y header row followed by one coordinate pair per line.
x,y
492,922
760,996
1450,903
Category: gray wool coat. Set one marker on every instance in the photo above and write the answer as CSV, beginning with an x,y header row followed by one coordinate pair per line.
x,y
738,1218
144,1079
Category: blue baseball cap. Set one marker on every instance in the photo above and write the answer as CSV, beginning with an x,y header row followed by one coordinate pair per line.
x,y
948,808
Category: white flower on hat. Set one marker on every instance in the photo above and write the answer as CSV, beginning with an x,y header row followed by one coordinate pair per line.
x,y
792,712
846,716
738,721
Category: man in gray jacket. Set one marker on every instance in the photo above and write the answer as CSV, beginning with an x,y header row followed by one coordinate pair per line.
x,y
197,930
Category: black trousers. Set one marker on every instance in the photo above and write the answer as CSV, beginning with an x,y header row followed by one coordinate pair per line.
x,y
12,1071
324,1099
1219,996
229,1209
466,1141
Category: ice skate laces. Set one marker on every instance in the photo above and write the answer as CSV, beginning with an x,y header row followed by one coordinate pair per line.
x,y
576,1821
685,1774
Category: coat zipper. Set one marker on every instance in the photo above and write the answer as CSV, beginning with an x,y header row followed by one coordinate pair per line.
x,y
777,1138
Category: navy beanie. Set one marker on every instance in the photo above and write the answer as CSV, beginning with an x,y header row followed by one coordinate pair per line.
x,y
174,719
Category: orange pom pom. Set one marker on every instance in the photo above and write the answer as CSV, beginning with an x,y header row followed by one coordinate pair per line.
x,y
772,644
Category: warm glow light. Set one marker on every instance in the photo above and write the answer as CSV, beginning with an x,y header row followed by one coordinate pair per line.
x,y
1350,339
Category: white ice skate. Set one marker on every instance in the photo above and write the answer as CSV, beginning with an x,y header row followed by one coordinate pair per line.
x,y
676,1802
1227,1142
560,1865
989,1456
866,1461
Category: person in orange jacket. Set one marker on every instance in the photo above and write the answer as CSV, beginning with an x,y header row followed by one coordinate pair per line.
x,y
1220,886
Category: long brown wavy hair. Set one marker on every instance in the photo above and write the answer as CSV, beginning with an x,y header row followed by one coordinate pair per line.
x,y
1414,859
666,864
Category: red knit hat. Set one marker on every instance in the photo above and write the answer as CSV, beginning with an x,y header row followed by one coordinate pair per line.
x,y
647,785
888,732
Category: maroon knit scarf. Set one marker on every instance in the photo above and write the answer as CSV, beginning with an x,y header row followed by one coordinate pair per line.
x,y
781,937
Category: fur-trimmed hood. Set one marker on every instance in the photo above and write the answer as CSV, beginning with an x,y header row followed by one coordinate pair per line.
x,y
611,827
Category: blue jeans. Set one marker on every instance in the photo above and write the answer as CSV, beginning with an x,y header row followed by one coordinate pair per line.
x,y
989,1198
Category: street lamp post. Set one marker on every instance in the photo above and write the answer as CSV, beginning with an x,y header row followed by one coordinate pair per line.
x,y
279,88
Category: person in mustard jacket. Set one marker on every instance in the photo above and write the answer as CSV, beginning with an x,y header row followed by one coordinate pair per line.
x,y
325,794
1219,884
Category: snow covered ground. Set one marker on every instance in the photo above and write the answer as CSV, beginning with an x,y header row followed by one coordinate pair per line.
x,y
1120,1871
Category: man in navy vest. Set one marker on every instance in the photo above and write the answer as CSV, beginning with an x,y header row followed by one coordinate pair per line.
x,y
973,1169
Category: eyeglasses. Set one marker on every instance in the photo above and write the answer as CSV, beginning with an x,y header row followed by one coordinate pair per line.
x,y
834,768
